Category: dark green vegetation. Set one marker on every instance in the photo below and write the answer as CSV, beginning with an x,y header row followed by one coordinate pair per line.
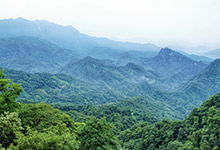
x,y
201,130
41,127
124,114
112,84
63,91
60,88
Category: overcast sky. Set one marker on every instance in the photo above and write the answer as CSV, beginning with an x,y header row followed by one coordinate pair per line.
x,y
191,25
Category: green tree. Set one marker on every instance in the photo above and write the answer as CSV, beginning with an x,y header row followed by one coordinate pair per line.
x,y
41,116
10,124
9,91
54,138
97,134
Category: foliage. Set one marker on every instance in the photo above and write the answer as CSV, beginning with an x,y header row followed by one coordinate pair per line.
x,y
97,134
123,114
10,124
199,131
41,127
60,88
41,116
53,138
9,91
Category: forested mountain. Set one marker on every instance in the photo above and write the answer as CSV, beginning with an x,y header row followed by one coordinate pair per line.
x,y
173,67
198,131
124,114
169,63
60,88
66,90
118,93
104,83
32,54
39,126
204,84
129,80
91,69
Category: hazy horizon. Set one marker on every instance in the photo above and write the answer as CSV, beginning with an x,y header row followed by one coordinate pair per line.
x,y
190,25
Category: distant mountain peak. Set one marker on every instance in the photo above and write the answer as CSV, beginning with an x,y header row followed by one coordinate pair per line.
x,y
169,63
164,52
65,36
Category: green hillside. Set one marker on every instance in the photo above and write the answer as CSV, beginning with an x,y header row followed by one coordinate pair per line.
x,y
41,127
60,88
198,131
126,113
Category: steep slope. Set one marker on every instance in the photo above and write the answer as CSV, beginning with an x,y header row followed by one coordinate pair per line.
x,y
204,84
64,36
198,131
169,62
33,55
174,67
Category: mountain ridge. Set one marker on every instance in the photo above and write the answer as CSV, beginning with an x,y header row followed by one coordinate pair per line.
x,y
65,36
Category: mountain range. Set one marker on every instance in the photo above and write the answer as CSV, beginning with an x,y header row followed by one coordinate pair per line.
x,y
65,89
65,36
59,65
68,37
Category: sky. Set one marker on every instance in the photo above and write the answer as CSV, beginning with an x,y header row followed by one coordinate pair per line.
x,y
189,25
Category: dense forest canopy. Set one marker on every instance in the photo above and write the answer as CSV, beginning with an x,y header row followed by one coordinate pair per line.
x,y
40,127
